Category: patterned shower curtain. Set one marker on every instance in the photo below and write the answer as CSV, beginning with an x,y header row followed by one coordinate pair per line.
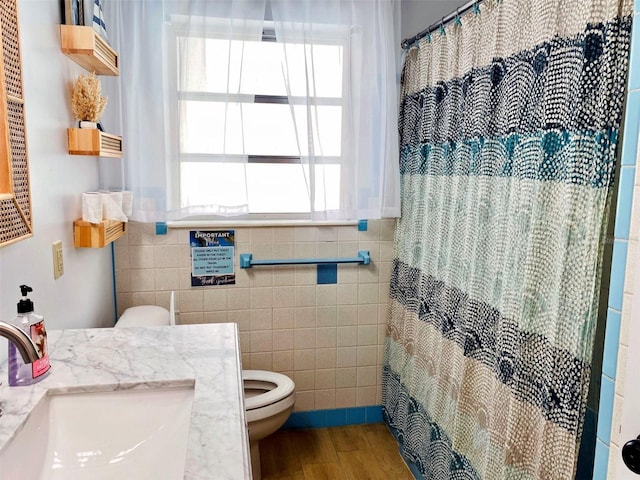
x,y
509,125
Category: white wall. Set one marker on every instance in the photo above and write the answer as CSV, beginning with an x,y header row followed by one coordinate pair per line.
x,y
83,296
419,14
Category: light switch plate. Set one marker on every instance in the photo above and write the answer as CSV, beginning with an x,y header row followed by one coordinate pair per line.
x,y
58,264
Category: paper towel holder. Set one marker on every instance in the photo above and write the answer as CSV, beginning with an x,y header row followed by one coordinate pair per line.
x,y
97,235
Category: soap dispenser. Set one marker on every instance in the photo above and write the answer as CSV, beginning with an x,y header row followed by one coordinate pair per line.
x,y
33,325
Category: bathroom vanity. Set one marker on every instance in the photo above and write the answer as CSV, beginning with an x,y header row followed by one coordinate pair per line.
x,y
106,365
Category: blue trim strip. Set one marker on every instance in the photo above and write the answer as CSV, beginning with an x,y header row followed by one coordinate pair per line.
x,y
336,417
601,462
247,261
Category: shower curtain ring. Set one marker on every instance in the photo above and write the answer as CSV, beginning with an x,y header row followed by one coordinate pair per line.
x,y
442,31
458,21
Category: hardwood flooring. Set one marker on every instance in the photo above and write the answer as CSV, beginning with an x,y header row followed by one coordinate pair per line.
x,y
353,452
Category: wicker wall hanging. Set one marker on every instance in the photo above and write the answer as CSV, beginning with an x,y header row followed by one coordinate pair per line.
x,y
15,193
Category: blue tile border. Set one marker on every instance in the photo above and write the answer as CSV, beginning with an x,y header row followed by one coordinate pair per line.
x,y
335,417
611,343
607,393
374,414
630,132
618,268
625,200
356,416
311,419
601,462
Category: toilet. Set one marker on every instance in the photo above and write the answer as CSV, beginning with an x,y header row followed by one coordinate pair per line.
x,y
268,396
268,400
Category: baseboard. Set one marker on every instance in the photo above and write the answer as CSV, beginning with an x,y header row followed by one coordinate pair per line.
x,y
335,417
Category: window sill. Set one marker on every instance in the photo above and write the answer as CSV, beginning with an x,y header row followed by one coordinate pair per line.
x,y
258,223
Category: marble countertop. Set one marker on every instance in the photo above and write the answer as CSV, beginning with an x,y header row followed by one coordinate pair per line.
x,y
104,359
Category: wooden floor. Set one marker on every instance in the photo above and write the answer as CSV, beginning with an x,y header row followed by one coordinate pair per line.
x,y
354,452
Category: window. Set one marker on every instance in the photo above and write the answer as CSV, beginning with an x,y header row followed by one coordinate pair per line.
x,y
250,115
206,90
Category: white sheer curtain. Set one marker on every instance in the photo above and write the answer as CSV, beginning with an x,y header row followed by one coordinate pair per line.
x,y
156,40
368,32
189,122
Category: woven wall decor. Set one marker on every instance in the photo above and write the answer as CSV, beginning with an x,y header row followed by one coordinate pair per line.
x,y
15,192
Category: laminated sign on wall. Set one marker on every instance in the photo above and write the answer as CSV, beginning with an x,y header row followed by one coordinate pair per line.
x,y
212,255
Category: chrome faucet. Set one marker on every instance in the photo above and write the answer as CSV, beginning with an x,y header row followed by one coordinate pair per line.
x,y
21,340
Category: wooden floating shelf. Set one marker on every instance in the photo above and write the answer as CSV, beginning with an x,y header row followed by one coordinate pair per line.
x,y
97,235
91,141
89,50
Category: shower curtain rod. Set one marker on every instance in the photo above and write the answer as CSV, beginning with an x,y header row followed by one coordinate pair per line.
x,y
459,11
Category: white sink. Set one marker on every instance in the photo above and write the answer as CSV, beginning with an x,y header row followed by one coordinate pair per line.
x,y
140,433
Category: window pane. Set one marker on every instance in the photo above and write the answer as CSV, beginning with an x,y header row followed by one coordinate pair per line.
x,y
264,68
273,188
282,188
277,188
313,70
204,183
259,129
208,65
211,126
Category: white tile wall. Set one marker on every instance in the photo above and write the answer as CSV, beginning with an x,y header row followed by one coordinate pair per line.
x,y
328,338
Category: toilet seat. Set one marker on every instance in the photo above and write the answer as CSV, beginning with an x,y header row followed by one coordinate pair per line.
x,y
284,387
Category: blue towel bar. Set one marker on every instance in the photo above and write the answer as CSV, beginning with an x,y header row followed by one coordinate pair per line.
x,y
247,261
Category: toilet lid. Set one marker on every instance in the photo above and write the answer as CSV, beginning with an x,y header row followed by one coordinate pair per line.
x,y
284,388
144,316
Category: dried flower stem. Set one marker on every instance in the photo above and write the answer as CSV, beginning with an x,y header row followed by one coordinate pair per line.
x,y
87,101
